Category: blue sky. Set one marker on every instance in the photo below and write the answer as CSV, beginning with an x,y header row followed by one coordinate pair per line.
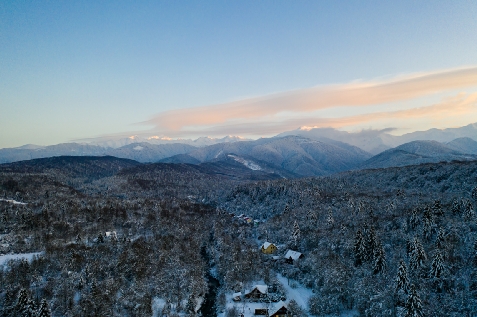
x,y
79,69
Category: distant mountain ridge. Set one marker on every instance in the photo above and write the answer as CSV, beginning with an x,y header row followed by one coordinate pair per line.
x,y
297,155
377,141
418,152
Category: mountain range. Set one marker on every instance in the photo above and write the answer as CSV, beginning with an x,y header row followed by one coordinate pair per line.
x,y
297,153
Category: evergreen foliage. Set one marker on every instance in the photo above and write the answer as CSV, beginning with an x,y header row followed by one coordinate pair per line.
x,y
402,279
437,265
44,310
413,304
359,248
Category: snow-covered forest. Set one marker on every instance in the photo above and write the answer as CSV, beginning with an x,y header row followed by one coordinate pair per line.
x,y
103,239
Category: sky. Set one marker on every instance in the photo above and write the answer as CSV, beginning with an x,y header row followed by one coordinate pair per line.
x,y
75,70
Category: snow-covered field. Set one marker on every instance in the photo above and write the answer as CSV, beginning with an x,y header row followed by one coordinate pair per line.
x,y
7,257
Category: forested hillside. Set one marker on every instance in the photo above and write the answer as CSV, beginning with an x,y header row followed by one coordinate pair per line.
x,y
382,242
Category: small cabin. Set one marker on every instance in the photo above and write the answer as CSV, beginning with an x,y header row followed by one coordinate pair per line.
x,y
237,297
291,256
279,310
268,248
259,291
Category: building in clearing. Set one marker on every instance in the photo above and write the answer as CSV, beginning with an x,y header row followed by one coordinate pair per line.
x,y
291,256
237,297
259,291
268,248
279,310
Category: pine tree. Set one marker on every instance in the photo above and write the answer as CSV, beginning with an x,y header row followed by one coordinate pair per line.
x,y
418,255
359,249
402,279
474,193
190,306
414,218
371,244
437,208
413,304
468,210
296,233
379,259
455,206
437,266
287,209
44,310
330,219
100,238
441,239
21,307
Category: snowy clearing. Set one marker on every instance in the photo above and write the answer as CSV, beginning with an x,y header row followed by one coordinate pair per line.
x,y
7,257
299,293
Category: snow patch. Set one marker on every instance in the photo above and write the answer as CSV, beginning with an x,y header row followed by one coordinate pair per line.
x,y
249,164
12,201
138,148
28,256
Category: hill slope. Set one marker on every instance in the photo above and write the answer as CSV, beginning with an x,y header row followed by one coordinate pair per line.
x,y
416,152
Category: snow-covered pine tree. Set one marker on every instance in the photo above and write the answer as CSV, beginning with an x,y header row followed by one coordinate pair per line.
x,y
455,206
413,304
190,306
437,208
402,279
427,228
474,193
359,248
296,233
441,239
418,255
437,266
414,218
22,302
287,209
44,310
379,259
330,219
468,210
371,244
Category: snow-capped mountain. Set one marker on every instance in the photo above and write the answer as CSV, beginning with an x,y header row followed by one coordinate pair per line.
x,y
377,141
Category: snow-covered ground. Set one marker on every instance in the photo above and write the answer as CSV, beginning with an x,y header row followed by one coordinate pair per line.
x,y
299,293
11,201
7,257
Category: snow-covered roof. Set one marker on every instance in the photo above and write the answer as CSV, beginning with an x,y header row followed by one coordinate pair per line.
x,y
275,257
266,245
261,288
277,306
236,294
295,255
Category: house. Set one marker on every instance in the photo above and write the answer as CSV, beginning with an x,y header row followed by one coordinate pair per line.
x,y
261,311
268,248
291,256
279,310
237,297
259,291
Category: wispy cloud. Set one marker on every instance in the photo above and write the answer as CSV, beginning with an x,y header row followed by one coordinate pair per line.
x,y
261,115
